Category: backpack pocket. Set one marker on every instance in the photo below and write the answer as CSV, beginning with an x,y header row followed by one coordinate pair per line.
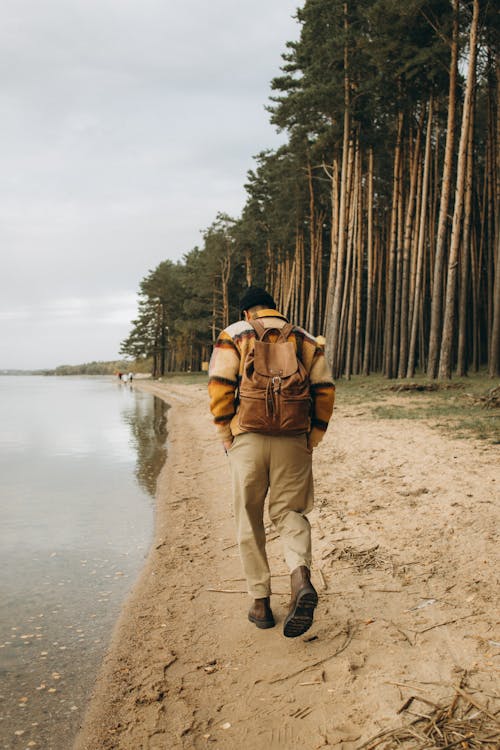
x,y
253,413
295,415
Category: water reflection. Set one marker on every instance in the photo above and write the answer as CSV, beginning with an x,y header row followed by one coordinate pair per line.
x,y
75,528
147,420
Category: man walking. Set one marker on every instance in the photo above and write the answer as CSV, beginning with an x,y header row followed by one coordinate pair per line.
x,y
277,459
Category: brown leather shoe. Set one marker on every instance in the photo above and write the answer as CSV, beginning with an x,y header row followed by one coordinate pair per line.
x,y
260,613
302,604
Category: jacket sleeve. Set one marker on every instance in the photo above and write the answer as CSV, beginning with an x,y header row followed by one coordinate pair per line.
x,y
323,397
223,382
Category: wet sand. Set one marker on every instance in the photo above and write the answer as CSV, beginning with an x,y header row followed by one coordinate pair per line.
x,y
406,562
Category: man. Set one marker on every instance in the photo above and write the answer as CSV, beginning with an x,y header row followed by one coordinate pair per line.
x,y
279,463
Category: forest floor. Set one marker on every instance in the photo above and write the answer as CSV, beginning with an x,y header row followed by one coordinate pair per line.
x,y
406,563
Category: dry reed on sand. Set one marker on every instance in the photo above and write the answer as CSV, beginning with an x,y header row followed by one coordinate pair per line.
x,y
464,724
363,559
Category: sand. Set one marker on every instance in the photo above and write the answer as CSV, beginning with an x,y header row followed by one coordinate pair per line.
x,y
406,562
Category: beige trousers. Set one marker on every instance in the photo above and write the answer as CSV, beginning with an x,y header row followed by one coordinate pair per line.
x,y
282,465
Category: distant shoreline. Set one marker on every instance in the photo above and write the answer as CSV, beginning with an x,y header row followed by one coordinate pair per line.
x,y
90,368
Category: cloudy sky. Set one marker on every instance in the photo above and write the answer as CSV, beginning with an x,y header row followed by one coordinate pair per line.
x,y
125,125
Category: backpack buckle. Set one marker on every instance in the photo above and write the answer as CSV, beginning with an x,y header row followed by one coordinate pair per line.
x,y
276,381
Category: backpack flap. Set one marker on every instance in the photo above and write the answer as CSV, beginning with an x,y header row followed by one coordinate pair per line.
x,y
275,359
278,358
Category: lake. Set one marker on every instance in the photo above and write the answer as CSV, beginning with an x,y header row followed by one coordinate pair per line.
x,y
79,458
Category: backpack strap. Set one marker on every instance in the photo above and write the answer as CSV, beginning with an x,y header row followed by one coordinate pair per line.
x,y
262,331
286,331
259,329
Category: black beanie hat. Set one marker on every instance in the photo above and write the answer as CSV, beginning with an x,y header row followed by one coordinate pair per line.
x,y
253,296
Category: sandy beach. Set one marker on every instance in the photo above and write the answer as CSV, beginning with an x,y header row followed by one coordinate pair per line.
x,y
406,562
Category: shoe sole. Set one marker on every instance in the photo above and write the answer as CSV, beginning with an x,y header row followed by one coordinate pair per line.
x,y
300,620
262,624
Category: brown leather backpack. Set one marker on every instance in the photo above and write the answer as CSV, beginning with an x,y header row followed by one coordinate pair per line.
x,y
274,393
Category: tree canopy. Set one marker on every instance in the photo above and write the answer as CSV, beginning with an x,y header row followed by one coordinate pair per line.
x,y
377,223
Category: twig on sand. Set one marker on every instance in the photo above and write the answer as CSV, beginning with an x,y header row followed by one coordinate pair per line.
x,y
273,575
350,633
407,685
448,622
323,582
422,700
402,632
241,591
169,664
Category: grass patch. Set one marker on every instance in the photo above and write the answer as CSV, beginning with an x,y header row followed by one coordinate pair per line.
x,y
456,410
185,378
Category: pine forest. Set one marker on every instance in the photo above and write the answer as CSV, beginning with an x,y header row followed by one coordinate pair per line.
x,y
377,224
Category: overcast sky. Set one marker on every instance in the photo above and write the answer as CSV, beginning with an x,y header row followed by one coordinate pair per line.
x,y
125,125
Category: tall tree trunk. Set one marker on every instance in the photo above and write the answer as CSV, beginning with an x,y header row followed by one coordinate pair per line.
x,y
421,244
370,278
414,250
465,260
333,330
334,243
214,316
225,276
248,266
319,262
389,320
399,273
334,296
494,359
409,223
351,188
359,273
445,360
311,304
474,293
269,266
379,320
439,258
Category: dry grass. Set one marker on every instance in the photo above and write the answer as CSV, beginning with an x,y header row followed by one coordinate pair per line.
x,y
185,378
463,722
467,407
363,559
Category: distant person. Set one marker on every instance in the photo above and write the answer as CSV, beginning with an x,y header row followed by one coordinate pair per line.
x,y
130,378
120,375
269,441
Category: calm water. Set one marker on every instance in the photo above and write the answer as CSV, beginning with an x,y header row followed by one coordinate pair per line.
x,y
79,459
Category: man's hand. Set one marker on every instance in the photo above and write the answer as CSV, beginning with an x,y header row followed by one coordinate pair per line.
x,y
227,444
